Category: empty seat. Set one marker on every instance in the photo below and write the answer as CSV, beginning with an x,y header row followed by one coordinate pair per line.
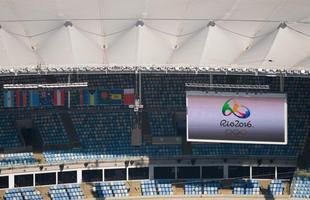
x,y
23,194
246,187
276,187
66,192
301,187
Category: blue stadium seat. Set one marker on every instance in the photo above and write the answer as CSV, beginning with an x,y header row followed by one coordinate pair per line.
x,y
164,187
211,187
148,188
66,192
22,194
276,187
301,187
105,131
246,187
156,187
50,127
106,135
8,132
193,188
119,189
161,124
15,159
102,190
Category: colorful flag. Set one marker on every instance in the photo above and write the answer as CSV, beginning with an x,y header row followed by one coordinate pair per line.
x,y
21,98
8,99
116,96
34,99
43,94
104,97
46,97
88,97
85,98
25,98
129,96
93,97
81,97
17,98
59,98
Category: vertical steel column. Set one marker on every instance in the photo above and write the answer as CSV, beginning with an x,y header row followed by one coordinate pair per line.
x,y
11,181
282,84
79,175
175,172
140,88
251,172
127,173
57,178
151,172
34,179
225,168
276,172
69,95
211,81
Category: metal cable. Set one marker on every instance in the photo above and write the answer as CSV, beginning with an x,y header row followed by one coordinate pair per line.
x,y
298,31
151,19
247,36
105,35
175,35
34,35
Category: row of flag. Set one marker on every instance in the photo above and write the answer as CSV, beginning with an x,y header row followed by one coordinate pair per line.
x,y
34,98
106,97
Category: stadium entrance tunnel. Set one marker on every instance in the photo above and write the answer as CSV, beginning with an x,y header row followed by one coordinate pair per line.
x,y
29,136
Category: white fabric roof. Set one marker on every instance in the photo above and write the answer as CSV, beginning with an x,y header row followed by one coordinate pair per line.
x,y
246,33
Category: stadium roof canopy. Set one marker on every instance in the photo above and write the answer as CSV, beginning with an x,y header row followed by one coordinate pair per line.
x,y
64,35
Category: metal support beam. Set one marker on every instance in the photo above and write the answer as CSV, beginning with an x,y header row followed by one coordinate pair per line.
x,y
79,175
228,86
69,95
140,88
282,84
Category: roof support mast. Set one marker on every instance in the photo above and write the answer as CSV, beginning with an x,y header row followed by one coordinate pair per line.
x,y
282,84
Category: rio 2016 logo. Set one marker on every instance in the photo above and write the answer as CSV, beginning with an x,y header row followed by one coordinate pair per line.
x,y
231,106
239,111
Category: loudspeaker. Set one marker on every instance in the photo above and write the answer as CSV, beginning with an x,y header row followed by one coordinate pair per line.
x,y
136,137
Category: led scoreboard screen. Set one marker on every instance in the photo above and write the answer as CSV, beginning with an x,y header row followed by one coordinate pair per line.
x,y
236,118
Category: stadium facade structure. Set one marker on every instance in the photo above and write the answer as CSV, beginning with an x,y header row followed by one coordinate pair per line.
x,y
155,47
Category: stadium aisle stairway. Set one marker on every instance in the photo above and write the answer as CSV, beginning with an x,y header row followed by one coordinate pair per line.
x,y
44,192
69,128
134,188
